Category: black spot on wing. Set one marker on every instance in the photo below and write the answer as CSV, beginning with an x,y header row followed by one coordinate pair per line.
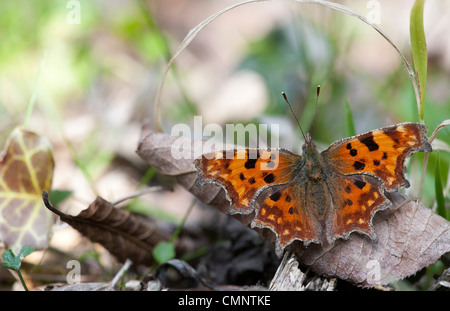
x,y
359,166
270,178
250,163
275,196
347,202
360,184
369,142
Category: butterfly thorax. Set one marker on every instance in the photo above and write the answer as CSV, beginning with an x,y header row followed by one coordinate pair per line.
x,y
313,160
315,185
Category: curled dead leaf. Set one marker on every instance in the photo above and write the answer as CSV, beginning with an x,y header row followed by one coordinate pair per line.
x,y
26,169
410,238
122,233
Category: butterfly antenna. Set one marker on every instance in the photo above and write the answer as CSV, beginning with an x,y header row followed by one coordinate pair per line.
x,y
315,108
287,101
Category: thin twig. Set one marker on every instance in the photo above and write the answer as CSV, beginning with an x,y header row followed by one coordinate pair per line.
x,y
137,194
119,274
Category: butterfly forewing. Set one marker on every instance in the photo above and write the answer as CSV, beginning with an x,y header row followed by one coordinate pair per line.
x,y
381,153
245,172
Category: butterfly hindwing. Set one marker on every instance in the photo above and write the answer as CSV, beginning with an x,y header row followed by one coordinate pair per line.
x,y
356,199
283,210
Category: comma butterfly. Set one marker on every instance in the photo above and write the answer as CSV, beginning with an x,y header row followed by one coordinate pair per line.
x,y
320,196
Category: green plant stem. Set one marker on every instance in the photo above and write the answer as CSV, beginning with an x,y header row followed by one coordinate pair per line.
x,y
21,279
181,225
81,165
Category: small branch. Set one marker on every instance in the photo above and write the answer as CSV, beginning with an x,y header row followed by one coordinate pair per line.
x,y
119,274
137,194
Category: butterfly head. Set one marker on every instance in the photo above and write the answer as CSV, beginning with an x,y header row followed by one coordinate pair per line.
x,y
308,145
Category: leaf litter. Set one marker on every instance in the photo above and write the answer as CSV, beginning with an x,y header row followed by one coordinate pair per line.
x,y
411,237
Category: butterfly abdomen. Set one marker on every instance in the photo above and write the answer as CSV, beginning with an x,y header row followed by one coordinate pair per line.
x,y
320,199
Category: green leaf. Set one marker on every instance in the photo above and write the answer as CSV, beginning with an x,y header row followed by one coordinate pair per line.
x,y
25,251
349,129
419,50
164,251
12,261
58,196
439,190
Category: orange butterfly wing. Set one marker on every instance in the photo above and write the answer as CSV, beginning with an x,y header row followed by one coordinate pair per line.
x,y
356,199
267,185
245,172
380,153
284,210
363,167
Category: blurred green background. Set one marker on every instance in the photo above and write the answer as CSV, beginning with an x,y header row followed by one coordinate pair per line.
x,y
93,68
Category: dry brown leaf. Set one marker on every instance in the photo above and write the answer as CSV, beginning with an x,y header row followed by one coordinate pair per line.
x,y
119,231
26,169
410,238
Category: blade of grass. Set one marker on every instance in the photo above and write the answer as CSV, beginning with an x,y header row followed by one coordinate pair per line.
x,y
439,190
32,100
166,52
349,126
440,127
181,225
419,52
165,250
81,166
186,41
